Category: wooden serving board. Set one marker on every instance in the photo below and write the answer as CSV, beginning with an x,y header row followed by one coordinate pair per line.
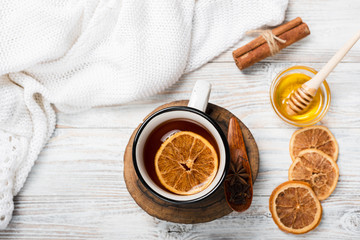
x,y
211,208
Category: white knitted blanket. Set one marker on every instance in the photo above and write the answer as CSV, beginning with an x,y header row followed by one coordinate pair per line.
x,y
75,55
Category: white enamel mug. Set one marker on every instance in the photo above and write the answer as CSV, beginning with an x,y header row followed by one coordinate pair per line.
x,y
195,112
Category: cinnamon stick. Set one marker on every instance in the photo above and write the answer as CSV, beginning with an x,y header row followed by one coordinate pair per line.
x,y
258,49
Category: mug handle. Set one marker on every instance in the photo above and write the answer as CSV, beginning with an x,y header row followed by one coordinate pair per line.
x,y
200,95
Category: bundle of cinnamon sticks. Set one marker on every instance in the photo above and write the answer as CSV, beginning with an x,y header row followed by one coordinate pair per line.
x,y
258,49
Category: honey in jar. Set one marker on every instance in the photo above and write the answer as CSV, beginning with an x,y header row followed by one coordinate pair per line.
x,y
287,83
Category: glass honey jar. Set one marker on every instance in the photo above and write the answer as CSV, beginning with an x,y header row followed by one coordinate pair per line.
x,y
288,81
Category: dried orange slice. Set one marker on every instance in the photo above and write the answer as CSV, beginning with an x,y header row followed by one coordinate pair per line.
x,y
295,208
314,137
317,169
186,163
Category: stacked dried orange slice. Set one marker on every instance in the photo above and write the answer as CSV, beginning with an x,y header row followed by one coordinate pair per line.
x,y
315,137
313,176
317,169
314,152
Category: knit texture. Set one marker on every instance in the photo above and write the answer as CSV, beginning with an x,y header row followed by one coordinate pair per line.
x,y
75,55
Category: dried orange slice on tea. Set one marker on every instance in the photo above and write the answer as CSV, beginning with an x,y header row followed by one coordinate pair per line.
x,y
186,163
314,137
317,169
295,208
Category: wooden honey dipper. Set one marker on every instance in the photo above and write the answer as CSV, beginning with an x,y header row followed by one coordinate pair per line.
x,y
302,97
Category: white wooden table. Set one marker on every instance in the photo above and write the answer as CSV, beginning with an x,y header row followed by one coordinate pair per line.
x,y
76,188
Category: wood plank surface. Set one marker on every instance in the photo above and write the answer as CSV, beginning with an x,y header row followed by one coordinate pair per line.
x,y
76,189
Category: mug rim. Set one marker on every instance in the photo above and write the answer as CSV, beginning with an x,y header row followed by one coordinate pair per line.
x,y
215,125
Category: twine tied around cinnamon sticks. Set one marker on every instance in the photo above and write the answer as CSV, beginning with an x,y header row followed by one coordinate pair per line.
x,y
270,38
270,43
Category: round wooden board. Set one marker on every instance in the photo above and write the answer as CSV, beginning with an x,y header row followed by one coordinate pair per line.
x,y
211,208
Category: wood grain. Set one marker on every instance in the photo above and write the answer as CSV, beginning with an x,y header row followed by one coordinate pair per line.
x,y
81,192
331,24
76,189
246,94
211,208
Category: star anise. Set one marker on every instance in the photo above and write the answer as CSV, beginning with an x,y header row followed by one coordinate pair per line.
x,y
237,173
237,182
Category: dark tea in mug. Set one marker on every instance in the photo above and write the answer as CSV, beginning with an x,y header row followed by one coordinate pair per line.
x,y
164,131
